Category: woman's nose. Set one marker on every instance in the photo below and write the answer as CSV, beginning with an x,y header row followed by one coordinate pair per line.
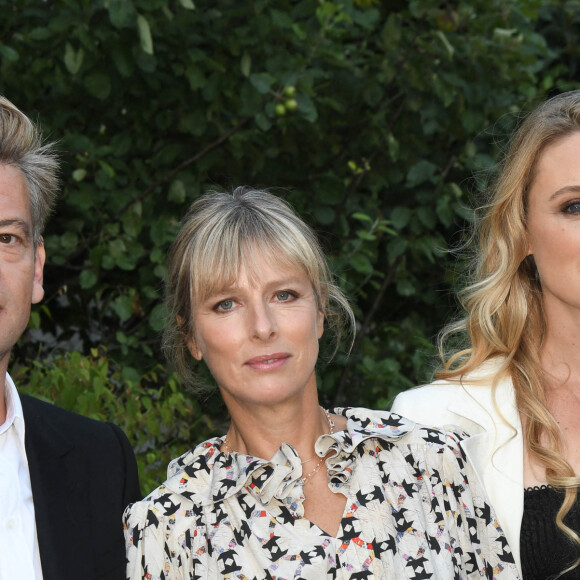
x,y
263,323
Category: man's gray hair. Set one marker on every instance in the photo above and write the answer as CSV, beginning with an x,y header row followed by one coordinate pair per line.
x,y
21,146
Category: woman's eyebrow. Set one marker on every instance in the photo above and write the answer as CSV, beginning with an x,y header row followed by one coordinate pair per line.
x,y
564,190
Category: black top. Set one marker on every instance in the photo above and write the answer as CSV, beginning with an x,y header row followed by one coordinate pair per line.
x,y
545,549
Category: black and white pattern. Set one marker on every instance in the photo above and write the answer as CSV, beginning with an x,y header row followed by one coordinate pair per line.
x,y
414,510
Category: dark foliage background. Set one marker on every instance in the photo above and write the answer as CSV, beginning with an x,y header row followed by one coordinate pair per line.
x,y
379,121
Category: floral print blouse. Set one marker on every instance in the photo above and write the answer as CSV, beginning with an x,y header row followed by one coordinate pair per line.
x,y
414,509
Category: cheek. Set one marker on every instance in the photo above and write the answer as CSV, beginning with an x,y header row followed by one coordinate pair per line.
x,y
215,342
553,243
306,327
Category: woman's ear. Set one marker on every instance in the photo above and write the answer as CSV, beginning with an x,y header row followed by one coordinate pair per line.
x,y
195,352
320,322
189,341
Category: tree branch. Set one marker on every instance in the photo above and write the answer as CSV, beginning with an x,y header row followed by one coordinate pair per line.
x,y
184,164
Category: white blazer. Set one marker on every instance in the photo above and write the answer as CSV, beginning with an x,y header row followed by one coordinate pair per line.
x,y
494,447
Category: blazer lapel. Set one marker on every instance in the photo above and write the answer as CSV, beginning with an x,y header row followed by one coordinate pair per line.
x,y
55,489
496,452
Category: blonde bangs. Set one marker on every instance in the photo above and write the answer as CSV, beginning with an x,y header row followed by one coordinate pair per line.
x,y
220,254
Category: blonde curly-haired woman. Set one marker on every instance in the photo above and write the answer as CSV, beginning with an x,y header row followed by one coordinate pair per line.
x,y
515,387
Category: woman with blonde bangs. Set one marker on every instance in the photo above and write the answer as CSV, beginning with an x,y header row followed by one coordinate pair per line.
x,y
294,490
515,387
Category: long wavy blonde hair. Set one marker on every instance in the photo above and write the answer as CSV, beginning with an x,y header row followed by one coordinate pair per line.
x,y
503,303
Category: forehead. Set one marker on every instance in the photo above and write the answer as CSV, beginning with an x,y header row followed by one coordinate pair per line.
x,y
14,200
558,167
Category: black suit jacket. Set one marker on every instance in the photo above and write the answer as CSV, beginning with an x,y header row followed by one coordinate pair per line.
x,y
83,474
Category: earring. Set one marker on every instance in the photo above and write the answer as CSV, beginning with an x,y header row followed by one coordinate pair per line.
x,y
529,266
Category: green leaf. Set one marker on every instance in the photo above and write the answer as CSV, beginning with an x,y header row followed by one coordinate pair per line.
x,y
98,85
73,60
367,236
363,217
145,34
177,191
79,174
395,248
393,146
448,47
329,190
187,4
420,173
307,108
121,13
246,64
361,263
262,82
123,306
69,241
34,320
405,288
158,317
8,53
88,279
400,217
427,217
107,168
195,76
40,33
263,122
324,215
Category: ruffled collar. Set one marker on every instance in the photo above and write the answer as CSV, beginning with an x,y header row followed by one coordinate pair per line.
x,y
205,475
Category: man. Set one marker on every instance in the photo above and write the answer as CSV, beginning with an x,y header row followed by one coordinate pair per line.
x,y
64,479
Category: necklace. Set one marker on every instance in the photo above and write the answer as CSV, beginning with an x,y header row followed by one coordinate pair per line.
x,y
305,478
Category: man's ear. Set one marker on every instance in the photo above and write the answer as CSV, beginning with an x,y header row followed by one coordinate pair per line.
x,y
39,259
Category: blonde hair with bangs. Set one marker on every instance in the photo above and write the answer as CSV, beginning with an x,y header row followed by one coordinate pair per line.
x,y
222,232
504,315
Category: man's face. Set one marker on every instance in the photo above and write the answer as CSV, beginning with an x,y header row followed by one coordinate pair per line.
x,y
20,265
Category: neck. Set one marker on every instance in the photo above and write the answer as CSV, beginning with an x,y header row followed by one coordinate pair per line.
x,y
259,430
3,369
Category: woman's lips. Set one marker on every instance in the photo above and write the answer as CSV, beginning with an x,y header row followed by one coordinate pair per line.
x,y
268,362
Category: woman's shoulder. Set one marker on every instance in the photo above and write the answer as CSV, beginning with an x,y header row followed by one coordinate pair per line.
x,y
364,424
189,485
458,400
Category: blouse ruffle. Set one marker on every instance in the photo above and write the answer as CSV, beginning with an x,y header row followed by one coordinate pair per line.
x,y
206,475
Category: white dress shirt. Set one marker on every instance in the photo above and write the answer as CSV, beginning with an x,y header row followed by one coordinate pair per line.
x,y
19,554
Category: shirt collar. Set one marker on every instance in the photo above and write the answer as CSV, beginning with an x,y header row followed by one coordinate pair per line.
x,y
14,413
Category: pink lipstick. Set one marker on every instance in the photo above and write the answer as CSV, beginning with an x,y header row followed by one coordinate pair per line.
x,y
268,362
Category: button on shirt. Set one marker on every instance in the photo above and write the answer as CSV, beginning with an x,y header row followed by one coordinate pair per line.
x,y
19,554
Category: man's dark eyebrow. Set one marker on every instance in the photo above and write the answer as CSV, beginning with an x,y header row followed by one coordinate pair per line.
x,y
18,223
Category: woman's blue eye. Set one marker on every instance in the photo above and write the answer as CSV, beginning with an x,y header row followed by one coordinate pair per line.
x,y
283,296
226,305
573,207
